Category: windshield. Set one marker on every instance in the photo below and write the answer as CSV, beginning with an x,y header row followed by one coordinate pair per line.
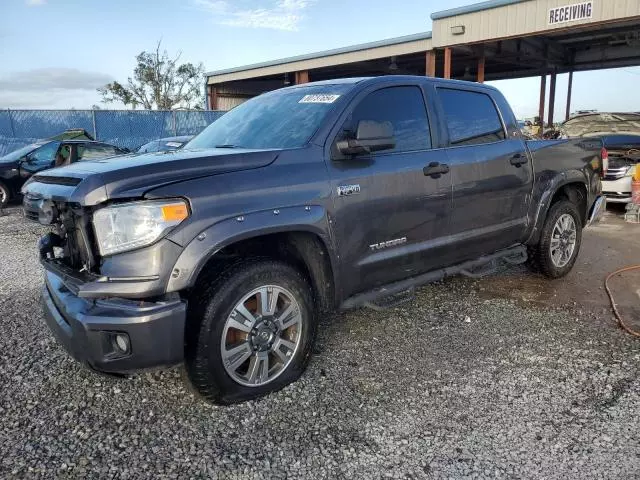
x,y
21,152
281,119
149,147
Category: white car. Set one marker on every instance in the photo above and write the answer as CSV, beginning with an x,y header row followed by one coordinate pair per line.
x,y
620,133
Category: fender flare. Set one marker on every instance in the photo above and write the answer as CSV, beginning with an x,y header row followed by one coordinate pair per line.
x,y
554,185
308,218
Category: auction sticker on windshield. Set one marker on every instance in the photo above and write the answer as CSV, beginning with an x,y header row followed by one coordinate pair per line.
x,y
319,98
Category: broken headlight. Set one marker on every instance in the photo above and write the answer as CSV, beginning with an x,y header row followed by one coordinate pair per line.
x,y
127,226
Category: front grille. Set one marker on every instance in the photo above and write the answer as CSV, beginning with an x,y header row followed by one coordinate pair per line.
x,y
617,195
616,173
77,239
77,245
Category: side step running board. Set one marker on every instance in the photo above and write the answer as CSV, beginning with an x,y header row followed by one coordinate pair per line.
x,y
516,254
392,301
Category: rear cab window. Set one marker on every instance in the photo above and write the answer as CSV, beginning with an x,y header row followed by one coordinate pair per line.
x,y
471,117
403,107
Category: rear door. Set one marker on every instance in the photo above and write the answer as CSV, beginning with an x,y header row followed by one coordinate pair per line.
x,y
491,173
387,213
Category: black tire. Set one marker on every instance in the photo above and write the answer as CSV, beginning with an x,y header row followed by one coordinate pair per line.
x,y
541,258
213,302
5,194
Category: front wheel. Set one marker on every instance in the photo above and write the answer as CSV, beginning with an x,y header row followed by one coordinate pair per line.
x,y
250,331
560,240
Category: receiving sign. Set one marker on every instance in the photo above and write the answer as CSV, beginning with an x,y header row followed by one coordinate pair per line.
x,y
570,13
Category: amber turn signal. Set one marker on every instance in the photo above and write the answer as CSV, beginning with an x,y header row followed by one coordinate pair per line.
x,y
174,212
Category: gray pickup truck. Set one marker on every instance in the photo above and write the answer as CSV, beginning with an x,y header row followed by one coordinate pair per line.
x,y
311,198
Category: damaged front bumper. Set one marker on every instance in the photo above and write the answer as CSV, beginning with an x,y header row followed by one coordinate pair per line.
x,y
152,332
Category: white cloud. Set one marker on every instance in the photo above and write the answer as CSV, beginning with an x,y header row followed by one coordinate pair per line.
x,y
53,78
279,15
35,3
51,88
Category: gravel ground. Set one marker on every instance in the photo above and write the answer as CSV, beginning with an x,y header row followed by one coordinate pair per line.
x,y
458,383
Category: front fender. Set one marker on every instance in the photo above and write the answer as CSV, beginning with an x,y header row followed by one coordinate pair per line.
x,y
306,218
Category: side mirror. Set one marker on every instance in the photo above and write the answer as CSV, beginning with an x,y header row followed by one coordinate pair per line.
x,y
371,136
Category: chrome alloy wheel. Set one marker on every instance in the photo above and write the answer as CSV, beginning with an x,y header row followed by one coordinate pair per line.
x,y
261,336
563,240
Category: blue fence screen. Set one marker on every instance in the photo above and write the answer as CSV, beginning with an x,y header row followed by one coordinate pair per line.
x,y
124,128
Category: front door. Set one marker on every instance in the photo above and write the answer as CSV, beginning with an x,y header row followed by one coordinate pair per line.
x,y
40,159
490,171
387,213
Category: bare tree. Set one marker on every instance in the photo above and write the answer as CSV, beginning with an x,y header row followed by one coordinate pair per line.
x,y
159,82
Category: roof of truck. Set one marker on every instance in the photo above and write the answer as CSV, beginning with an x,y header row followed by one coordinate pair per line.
x,y
387,78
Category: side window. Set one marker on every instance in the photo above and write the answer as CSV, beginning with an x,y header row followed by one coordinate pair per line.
x,y
472,117
45,155
95,151
402,106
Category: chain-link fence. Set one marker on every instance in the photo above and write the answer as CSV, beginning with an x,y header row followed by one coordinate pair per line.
x,y
124,128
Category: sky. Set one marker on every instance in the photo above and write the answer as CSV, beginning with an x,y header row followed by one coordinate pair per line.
x,y
56,53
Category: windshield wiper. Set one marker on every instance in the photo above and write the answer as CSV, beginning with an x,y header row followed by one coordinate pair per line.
x,y
227,145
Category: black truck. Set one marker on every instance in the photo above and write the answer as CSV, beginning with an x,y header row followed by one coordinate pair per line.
x,y
329,195
18,166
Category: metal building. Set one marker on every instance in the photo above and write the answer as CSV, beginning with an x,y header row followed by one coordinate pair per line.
x,y
491,40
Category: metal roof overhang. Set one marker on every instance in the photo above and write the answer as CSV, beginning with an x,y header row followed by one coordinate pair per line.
x,y
586,47
525,51
476,7
405,45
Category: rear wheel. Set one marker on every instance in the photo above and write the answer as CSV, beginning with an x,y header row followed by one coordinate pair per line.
x,y
560,240
250,331
5,194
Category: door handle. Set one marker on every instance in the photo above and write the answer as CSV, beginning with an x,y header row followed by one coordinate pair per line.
x,y
518,159
435,169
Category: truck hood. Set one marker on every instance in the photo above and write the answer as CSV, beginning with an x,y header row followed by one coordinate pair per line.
x,y
600,124
9,165
621,142
93,182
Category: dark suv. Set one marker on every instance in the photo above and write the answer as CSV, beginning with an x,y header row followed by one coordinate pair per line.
x,y
303,200
18,166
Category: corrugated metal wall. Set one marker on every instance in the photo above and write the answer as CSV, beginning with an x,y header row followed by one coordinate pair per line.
x,y
524,18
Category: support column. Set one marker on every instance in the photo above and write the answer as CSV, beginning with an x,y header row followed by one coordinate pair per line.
x,y
430,63
568,112
213,98
302,77
552,98
481,69
447,62
543,94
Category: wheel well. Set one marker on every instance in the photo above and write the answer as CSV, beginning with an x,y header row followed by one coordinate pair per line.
x,y
303,250
576,193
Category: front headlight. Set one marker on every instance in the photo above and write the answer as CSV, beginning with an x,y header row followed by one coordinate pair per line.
x,y
128,226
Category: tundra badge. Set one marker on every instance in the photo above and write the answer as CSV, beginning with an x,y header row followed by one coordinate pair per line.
x,y
344,190
389,243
